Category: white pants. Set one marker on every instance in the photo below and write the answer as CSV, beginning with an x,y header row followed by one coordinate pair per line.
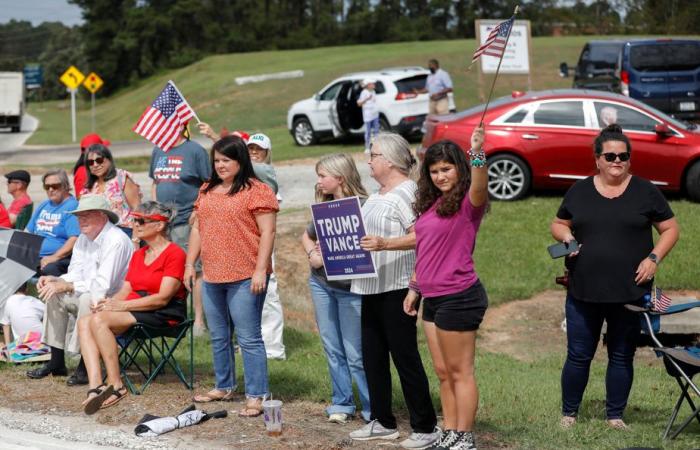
x,y
273,320
24,314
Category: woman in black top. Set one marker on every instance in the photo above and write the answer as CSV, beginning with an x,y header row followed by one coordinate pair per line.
x,y
611,215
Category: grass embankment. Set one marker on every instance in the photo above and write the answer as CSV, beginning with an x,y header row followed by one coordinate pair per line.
x,y
211,90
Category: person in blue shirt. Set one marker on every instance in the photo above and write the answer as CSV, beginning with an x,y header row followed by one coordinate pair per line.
x,y
52,221
438,84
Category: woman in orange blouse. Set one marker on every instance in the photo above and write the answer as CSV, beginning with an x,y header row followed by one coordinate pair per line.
x,y
233,233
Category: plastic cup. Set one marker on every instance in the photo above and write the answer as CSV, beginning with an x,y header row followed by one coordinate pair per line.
x,y
272,413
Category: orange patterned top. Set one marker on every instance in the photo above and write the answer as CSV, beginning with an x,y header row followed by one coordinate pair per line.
x,y
229,233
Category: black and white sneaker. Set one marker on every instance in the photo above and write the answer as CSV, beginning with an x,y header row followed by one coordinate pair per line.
x,y
466,441
448,438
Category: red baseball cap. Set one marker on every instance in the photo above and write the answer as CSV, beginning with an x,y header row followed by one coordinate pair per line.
x,y
90,139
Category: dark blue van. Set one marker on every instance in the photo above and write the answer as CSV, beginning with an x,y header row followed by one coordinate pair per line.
x,y
663,73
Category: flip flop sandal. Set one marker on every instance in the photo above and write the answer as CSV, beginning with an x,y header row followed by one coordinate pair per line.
x,y
119,394
97,390
95,403
251,405
210,397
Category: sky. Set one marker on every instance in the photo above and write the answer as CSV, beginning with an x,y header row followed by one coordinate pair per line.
x,y
38,11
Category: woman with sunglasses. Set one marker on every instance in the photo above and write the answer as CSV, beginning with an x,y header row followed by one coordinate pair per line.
x,y
117,185
234,230
612,215
52,221
152,294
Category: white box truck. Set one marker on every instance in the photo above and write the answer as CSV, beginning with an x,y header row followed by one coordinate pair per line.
x,y
11,100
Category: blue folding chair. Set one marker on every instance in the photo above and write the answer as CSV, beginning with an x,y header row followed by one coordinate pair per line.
x,y
682,363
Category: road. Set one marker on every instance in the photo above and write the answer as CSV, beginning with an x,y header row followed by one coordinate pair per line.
x,y
12,141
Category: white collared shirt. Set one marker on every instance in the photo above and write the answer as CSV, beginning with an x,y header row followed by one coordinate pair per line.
x,y
99,267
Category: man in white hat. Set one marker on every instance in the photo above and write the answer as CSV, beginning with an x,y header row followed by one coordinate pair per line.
x,y
97,269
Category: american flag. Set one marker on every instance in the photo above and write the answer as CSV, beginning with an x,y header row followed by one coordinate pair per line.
x,y
162,122
660,301
495,44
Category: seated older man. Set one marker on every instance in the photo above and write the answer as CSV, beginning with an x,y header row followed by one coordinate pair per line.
x,y
97,269
55,224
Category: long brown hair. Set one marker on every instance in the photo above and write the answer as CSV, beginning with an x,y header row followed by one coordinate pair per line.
x,y
428,193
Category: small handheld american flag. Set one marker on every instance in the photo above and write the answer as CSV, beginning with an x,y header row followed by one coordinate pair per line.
x,y
162,122
495,43
660,302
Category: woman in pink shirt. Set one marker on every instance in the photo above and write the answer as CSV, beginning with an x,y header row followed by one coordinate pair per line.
x,y
450,203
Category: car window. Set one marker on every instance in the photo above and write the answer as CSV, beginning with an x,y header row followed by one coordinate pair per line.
x,y
517,117
600,56
648,58
407,85
560,113
331,92
379,87
627,118
683,56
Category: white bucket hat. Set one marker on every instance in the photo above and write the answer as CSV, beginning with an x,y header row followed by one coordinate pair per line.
x,y
95,203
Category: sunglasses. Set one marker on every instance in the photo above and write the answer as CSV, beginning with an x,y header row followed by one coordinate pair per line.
x,y
96,162
142,221
611,157
55,187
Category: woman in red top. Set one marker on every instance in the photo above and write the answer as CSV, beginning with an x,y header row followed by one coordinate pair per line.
x,y
152,294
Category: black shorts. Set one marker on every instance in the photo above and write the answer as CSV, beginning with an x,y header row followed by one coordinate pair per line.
x,y
168,316
462,311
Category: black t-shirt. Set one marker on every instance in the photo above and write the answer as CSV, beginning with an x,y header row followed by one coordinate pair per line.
x,y
615,234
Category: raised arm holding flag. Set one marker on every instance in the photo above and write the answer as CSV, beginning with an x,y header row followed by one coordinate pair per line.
x,y
162,122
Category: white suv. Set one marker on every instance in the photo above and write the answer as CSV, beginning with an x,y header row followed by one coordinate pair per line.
x,y
333,111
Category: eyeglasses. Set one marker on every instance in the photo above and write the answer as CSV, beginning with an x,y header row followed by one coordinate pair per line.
x,y
374,155
55,187
141,221
96,162
611,157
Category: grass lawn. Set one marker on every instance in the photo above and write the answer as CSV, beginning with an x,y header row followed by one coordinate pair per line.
x,y
210,88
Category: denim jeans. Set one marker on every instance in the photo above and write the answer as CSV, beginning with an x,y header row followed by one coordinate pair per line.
x,y
232,304
371,130
338,316
584,322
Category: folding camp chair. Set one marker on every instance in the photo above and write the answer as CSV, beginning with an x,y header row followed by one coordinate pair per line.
x,y
24,216
158,346
682,363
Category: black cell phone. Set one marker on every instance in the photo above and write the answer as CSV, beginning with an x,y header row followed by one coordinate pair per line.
x,y
562,249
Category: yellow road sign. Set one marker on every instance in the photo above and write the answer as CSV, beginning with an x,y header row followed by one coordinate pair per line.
x,y
93,82
72,77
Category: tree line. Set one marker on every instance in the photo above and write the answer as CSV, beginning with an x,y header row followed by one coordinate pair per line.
x,y
127,40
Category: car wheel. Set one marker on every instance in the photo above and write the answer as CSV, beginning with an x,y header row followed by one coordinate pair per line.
x,y
509,177
384,126
303,132
692,182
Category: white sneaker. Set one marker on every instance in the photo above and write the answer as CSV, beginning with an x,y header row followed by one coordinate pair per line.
x,y
421,440
374,430
338,418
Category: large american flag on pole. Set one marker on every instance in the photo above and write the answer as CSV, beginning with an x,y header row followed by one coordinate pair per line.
x,y
495,43
162,122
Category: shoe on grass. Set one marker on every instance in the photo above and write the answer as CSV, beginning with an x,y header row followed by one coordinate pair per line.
x,y
338,418
618,424
374,430
448,438
567,422
466,441
421,440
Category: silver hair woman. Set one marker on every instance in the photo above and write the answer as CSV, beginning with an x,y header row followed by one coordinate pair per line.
x,y
153,294
386,330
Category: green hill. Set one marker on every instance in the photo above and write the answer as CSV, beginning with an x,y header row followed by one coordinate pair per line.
x,y
210,88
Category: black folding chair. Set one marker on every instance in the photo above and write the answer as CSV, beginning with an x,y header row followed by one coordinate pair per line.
x,y
682,363
157,345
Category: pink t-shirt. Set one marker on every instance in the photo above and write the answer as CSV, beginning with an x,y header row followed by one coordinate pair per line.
x,y
444,247
19,203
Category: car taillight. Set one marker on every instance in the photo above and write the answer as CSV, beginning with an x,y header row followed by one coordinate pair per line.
x,y
405,95
625,83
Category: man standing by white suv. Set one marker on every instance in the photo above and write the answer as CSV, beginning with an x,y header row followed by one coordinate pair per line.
x,y
438,85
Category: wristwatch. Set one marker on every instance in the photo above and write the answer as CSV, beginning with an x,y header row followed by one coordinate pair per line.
x,y
653,258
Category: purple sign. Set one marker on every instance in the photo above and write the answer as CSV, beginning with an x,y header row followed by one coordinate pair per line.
x,y
339,228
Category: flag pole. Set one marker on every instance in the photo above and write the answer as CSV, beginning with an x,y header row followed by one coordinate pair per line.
x,y
498,68
185,100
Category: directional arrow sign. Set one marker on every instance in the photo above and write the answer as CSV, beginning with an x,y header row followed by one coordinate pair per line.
x,y
93,82
72,77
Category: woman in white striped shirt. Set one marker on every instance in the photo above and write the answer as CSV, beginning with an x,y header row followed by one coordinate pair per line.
x,y
386,330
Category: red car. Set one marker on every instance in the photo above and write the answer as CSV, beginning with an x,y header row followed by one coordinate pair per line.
x,y
544,140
